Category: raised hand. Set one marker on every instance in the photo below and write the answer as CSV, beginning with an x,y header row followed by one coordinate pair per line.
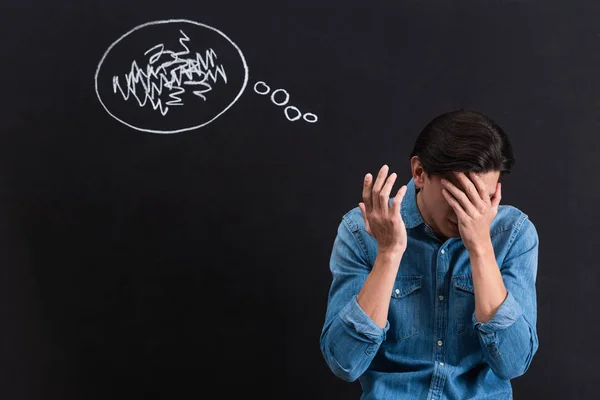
x,y
383,221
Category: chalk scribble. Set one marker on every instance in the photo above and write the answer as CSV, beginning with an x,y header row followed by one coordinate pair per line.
x,y
171,72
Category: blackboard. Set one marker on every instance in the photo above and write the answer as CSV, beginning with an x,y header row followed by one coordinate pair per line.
x,y
152,254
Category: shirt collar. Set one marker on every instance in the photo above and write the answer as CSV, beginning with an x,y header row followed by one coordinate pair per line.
x,y
409,210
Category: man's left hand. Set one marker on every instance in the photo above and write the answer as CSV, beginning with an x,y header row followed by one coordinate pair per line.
x,y
474,208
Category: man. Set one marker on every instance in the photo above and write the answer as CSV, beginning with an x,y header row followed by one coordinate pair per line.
x,y
433,293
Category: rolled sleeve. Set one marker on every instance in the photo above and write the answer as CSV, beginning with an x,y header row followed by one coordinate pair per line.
x,y
506,315
354,316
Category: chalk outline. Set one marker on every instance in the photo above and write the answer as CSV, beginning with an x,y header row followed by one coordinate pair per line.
x,y
262,93
287,97
295,109
169,21
305,116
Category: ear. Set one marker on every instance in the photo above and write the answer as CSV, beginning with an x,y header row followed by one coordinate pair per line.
x,y
418,172
421,178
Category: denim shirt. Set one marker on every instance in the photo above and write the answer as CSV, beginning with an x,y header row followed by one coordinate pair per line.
x,y
432,346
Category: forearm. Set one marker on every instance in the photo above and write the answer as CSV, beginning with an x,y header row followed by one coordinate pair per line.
x,y
508,340
490,291
374,296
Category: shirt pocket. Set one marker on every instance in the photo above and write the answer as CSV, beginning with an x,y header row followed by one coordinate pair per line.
x,y
405,307
464,303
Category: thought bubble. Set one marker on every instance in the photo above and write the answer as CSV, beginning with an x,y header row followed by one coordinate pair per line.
x,y
170,76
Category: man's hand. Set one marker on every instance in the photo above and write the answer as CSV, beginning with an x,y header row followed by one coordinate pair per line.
x,y
383,221
474,209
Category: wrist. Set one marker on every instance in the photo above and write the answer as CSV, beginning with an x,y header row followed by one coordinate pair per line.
x,y
390,253
482,249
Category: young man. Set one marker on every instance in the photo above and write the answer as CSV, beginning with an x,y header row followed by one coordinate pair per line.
x,y
433,293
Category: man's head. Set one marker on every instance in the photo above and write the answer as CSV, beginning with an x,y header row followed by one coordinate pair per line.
x,y
457,141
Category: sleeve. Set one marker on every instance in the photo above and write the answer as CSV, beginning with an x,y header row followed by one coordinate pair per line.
x,y
349,338
509,340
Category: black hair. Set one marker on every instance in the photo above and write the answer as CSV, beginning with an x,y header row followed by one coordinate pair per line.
x,y
463,141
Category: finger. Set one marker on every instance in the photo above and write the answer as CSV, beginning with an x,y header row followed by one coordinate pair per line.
x,y
470,188
384,195
378,185
397,202
364,214
460,197
460,213
366,194
480,186
361,205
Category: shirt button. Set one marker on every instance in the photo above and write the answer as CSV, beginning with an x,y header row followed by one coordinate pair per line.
x,y
443,251
397,291
441,298
440,343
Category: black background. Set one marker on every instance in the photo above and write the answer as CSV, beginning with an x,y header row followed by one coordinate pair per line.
x,y
136,265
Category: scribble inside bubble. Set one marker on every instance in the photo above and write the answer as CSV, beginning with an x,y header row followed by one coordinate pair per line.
x,y
163,81
170,76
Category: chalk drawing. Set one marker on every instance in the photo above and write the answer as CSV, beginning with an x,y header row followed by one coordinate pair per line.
x,y
200,70
260,85
286,94
183,76
263,89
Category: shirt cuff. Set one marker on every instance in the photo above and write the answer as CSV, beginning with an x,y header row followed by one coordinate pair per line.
x,y
355,317
506,315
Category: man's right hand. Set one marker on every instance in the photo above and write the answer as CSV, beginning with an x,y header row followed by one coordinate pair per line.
x,y
383,221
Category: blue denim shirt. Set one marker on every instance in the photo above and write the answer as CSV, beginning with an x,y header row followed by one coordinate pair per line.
x,y
432,346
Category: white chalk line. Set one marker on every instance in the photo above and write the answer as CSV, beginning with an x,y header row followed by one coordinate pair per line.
x,y
158,89
260,86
